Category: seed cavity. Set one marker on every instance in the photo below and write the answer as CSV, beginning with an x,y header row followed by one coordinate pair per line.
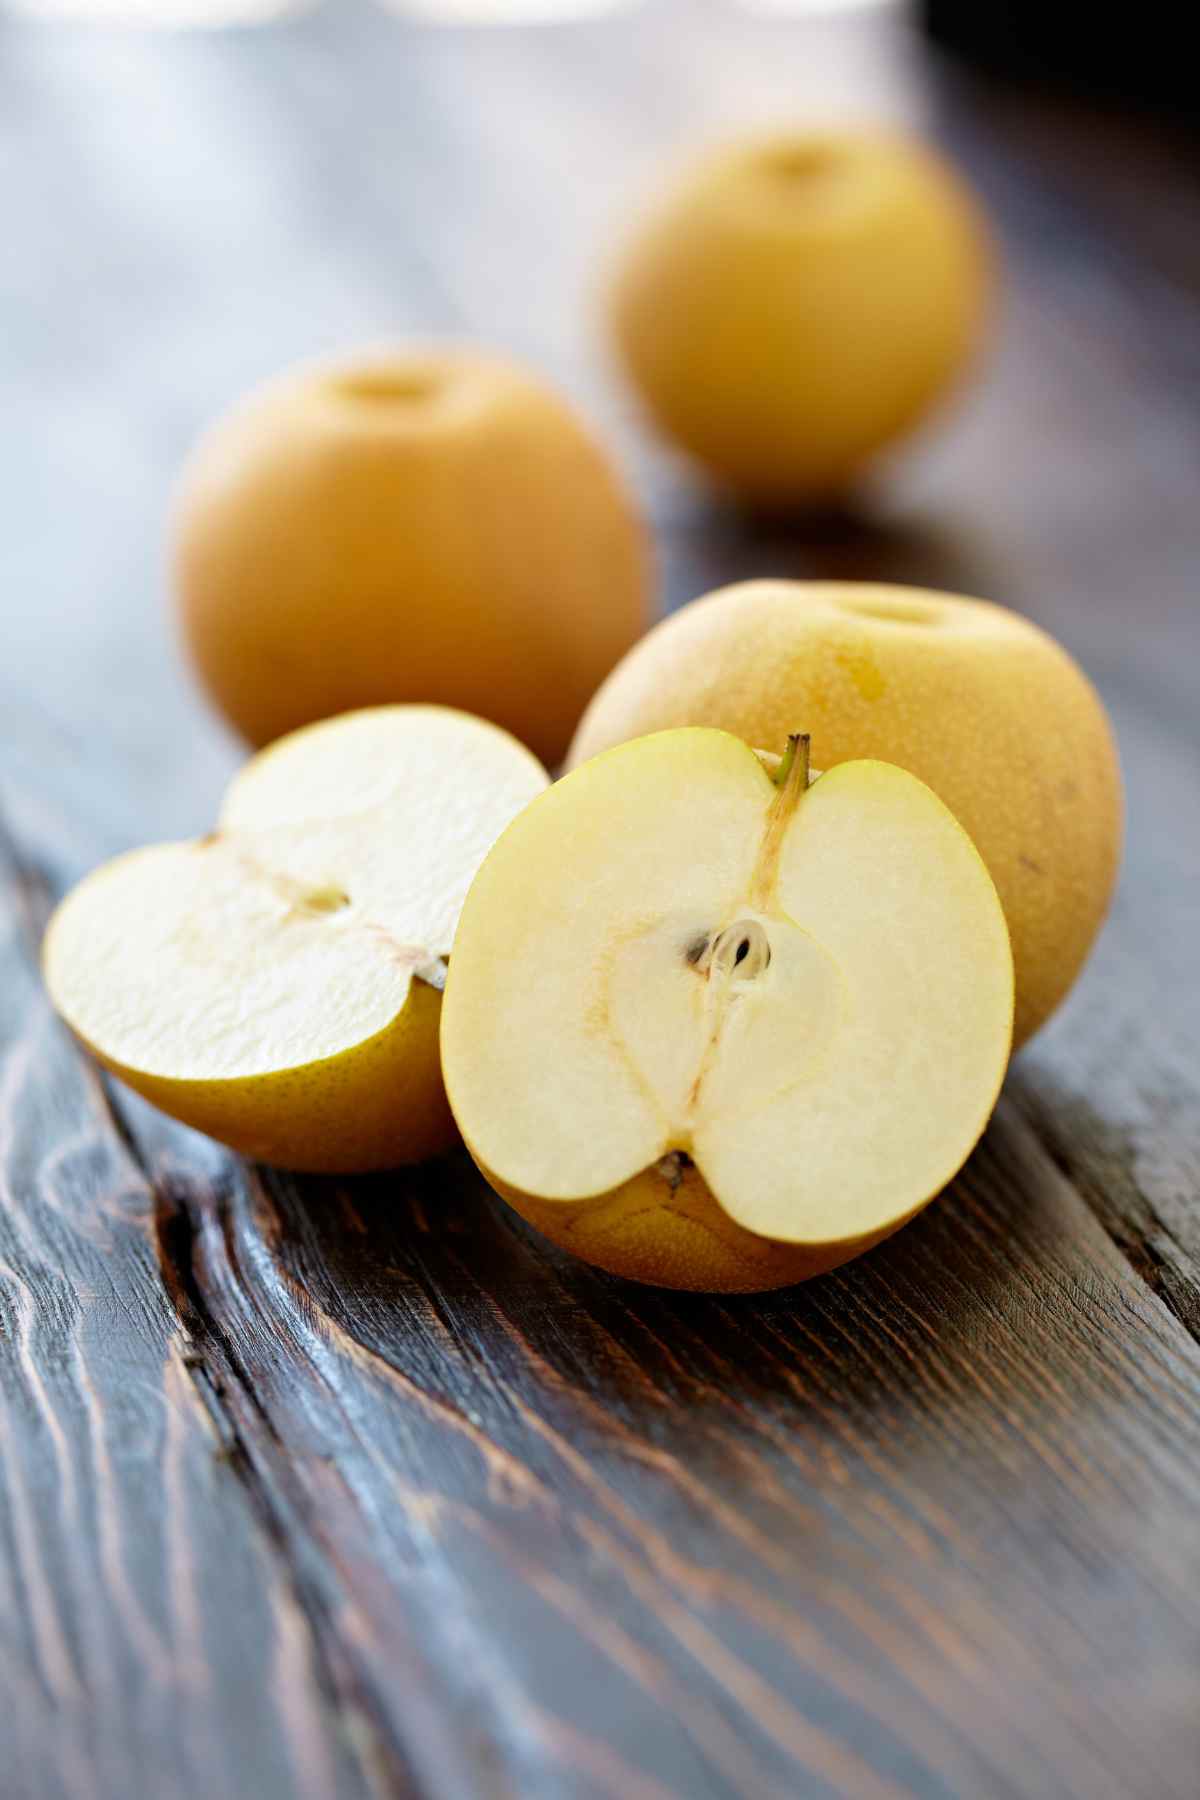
x,y
327,899
741,952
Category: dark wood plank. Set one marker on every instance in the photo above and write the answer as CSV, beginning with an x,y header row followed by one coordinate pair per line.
x,y
897,1532
318,1488
151,1638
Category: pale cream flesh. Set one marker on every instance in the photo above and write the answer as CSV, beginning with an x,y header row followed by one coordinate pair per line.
x,y
294,932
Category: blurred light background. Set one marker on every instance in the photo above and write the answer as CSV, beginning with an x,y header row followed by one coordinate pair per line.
x,y
186,211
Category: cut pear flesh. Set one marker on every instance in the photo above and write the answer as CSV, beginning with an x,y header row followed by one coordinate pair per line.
x,y
805,990
275,983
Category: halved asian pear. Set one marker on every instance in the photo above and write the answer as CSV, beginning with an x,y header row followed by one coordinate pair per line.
x,y
721,1029
277,984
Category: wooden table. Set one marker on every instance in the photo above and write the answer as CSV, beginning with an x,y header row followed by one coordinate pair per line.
x,y
318,1488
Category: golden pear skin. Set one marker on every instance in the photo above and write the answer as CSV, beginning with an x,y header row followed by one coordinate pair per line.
x,y
984,707
372,1106
665,1228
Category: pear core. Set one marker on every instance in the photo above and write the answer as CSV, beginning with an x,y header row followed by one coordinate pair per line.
x,y
743,1027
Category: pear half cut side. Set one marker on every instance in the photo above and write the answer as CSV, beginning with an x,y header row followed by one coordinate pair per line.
x,y
277,984
718,1029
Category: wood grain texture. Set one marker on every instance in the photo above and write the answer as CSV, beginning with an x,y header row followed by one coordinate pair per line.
x,y
844,1541
316,1488
151,1641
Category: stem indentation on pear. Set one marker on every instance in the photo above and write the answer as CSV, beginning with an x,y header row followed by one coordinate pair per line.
x,y
389,386
802,162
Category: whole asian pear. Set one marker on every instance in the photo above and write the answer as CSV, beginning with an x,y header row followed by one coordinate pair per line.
x,y
800,300
431,526
984,707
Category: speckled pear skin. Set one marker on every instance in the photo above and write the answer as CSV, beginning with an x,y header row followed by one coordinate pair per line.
x,y
666,1228
987,709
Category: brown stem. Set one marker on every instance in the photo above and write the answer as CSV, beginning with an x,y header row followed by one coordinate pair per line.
x,y
791,784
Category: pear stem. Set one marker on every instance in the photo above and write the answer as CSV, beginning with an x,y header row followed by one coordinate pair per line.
x,y
791,784
799,746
